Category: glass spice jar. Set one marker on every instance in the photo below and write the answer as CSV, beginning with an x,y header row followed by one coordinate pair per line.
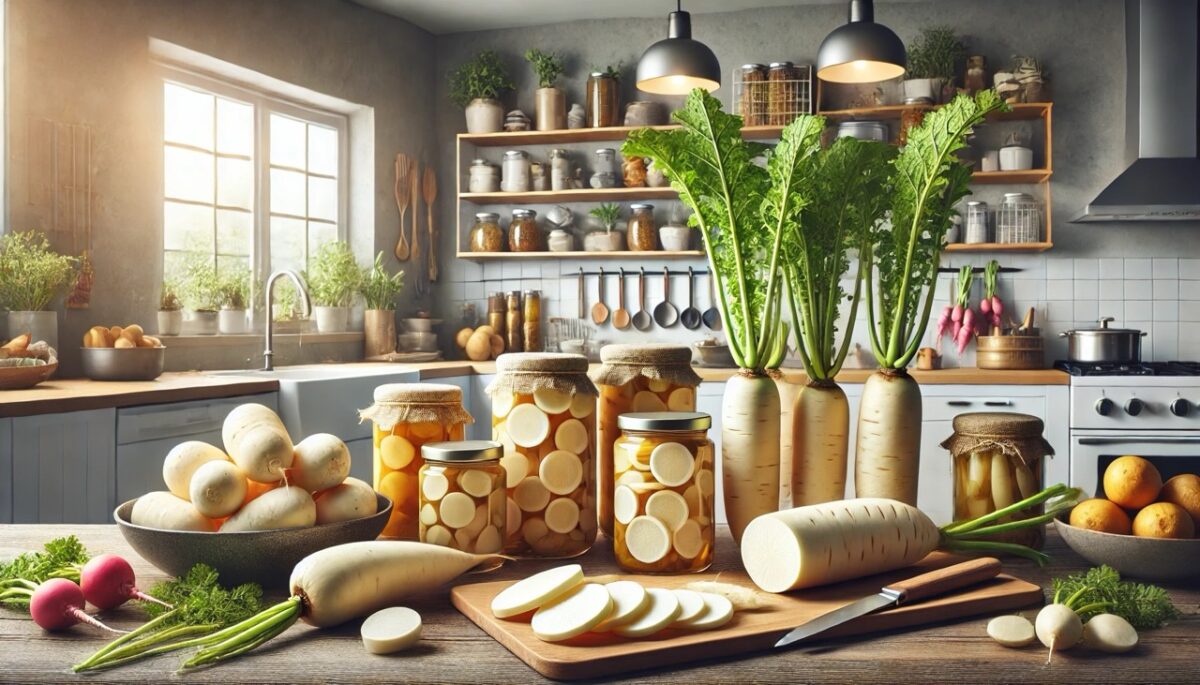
x,y
405,417
996,460
523,232
663,501
604,168
515,176
603,101
513,322
637,378
542,404
497,313
754,94
462,496
532,316
782,104
483,177
641,235
485,235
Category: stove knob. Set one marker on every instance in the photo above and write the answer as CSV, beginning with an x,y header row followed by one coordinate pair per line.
x,y
1134,406
1181,407
1104,406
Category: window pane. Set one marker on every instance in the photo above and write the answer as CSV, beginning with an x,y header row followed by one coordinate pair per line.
x,y
287,192
187,116
287,141
287,243
322,198
227,265
235,183
233,232
187,174
235,127
187,227
173,262
319,234
322,150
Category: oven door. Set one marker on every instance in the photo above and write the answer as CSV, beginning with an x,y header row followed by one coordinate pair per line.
x,y
1172,452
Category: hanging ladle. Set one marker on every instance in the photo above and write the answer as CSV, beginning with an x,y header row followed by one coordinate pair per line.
x,y
665,313
620,318
642,320
690,317
600,310
712,315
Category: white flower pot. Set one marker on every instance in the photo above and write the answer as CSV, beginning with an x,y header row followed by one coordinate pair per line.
x,y
601,241
921,88
674,238
170,322
484,115
205,323
332,319
39,326
232,322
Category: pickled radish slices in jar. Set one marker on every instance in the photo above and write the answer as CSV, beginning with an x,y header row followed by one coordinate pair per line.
x,y
462,496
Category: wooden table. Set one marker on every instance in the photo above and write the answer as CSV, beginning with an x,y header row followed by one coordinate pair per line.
x,y
455,651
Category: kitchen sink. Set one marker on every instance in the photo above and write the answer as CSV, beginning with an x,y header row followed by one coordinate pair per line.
x,y
309,373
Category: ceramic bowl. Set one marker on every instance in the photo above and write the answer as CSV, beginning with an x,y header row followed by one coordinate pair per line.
x,y
418,325
1152,559
713,354
113,364
264,557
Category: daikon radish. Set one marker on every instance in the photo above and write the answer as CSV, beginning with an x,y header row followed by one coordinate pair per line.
x,y
691,605
512,517
475,483
1003,487
183,460
664,609
533,530
574,613
166,511
1026,481
531,494
749,449
669,507
527,425
457,509
888,450
552,401
718,611
645,401
647,539
625,504
489,541
562,515
688,540
1109,633
288,507
571,435
1011,631
672,464
438,535
682,399
561,472
321,461
536,590
582,406
257,442
391,630
434,485
978,467
820,441
630,599
353,499
516,467
502,403
217,489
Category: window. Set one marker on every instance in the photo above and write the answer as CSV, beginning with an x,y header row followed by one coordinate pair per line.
x,y
255,182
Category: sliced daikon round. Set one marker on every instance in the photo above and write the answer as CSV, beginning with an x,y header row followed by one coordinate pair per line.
x,y
500,435
426,430
562,515
688,539
536,590
502,403
647,539
428,514
682,399
672,464
489,541
527,425
578,611
657,385
582,406
552,401
396,452
438,535
691,605
434,485
669,507
634,476
692,496
717,612
561,472
462,539
533,530
648,401
512,517
516,467
478,521
625,504
664,607
621,459
629,600
704,479
551,544
572,436
531,495
639,462
391,630
475,483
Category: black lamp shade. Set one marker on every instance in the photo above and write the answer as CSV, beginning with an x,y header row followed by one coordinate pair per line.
x,y
678,64
861,51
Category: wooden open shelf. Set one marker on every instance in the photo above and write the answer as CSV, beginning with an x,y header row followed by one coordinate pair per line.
x,y
1020,112
574,195
1027,176
579,254
999,247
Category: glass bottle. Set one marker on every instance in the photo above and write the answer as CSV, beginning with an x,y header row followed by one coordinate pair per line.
x,y
532,320
641,235
497,313
513,323
483,177
515,176
603,101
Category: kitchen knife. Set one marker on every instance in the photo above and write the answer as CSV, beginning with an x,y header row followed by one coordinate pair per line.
x,y
914,589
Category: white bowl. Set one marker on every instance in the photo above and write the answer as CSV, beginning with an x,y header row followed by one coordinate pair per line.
x,y
1015,158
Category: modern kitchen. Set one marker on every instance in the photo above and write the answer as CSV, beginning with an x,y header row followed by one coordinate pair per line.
x,y
533,341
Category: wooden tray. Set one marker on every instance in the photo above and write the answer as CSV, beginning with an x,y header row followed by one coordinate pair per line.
x,y
594,656
21,377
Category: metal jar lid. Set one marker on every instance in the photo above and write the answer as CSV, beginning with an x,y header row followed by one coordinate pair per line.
x,y
523,213
487,217
481,162
557,152
670,421
640,207
460,451
516,154
753,67
976,203
1018,197
781,65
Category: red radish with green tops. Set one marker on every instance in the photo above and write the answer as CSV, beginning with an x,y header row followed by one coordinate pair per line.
x,y
58,604
107,582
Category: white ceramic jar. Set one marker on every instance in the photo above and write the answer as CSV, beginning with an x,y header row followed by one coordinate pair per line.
x,y
483,177
515,174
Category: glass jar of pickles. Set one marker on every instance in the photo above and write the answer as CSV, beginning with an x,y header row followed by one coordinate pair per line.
x,y
542,409
462,495
637,378
406,416
663,502
997,461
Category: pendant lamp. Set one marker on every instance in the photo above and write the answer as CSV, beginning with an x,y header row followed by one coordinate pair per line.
x,y
861,51
678,64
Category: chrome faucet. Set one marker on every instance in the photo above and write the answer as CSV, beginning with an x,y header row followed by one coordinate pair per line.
x,y
268,353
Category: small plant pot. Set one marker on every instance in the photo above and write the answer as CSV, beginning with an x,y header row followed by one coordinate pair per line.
x,y
206,323
332,319
550,105
39,326
674,238
379,332
926,88
170,322
484,115
602,241
232,322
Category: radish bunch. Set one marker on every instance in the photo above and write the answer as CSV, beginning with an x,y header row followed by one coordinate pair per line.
x,y
106,581
962,316
991,306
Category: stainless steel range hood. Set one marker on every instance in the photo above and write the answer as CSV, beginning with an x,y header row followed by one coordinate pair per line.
x,y
1161,129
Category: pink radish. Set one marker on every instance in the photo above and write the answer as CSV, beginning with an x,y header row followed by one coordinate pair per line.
x,y
985,306
997,309
943,324
58,603
108,582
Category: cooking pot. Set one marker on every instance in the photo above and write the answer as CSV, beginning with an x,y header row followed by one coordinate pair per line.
x,y
1104,344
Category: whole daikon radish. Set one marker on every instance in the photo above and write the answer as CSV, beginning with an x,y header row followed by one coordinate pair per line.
x,y
820,439
788,392
749,449
888,453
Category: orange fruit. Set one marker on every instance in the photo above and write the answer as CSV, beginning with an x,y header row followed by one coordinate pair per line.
x,y
1184,490
1102,515
1132,482
1163,520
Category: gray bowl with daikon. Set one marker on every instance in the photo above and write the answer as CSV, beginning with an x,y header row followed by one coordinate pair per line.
x,y
265,557
1156,559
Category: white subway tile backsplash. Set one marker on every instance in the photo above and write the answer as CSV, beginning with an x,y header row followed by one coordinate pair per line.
x,y
1086,310
1025,291
1112,268
1139,290
1112,289
1189,310
1165,341
1086,289
1189,290
1113,308
1189,341
1139,310
1138,268
1166,268
1166,310
493,271
1060,310
512,270
531,270
1086,268
1166,289
469,270
1060,268
1060,289
1189,269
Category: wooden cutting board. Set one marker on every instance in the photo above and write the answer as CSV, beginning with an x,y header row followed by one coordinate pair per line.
x,y
594,656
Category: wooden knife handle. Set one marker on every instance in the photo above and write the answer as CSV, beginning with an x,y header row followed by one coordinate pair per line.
x,y
946,579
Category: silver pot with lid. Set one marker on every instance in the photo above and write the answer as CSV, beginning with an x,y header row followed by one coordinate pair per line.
x,y
1104,344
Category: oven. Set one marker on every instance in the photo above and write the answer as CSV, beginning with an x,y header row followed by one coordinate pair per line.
x,y
1172,452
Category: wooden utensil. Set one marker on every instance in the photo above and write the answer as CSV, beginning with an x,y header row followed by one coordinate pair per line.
x,y
414,180
429,190
665,313
621,316
642,320
402,198
579,314
712,315
690,317
600,310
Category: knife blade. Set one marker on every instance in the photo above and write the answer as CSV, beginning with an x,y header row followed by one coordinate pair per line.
x,y
914,589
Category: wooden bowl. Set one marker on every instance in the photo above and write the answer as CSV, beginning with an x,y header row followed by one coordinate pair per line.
x,y
1155,559
20,377
265,557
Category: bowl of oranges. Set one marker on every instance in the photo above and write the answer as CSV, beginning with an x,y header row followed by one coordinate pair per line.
x,y
1142,526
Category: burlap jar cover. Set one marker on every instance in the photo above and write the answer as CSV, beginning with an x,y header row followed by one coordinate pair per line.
x,y
416,403
621,364
1014,435
522,373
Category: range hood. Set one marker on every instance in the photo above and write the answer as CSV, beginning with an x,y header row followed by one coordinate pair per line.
x,y
1161,129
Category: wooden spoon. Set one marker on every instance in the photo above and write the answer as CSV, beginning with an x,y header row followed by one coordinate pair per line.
x,y
402,198
620,318
429,190
600,310
414,179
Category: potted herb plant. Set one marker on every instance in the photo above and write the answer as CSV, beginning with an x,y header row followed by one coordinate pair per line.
x,y
234,297
935,57
31,276
476,86
200,289
379,291
603,97
333,278
287,312
550,103
608,240
170,309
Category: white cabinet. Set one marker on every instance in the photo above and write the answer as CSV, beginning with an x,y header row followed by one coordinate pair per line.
x,y
479,404
63,467
6,472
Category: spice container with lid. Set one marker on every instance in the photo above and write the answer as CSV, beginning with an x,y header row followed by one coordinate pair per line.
x,y
484,177
754,94
485,235
604,168
532,315
496,313
997,461
782,104
977,222
462,495
514,326
523,232
515,173
641,235
560,169
663,502
637,378
603,101
1018,219
543,405
406,416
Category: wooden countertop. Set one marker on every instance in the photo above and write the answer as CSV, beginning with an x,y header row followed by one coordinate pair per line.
x,y
77,394
454,650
